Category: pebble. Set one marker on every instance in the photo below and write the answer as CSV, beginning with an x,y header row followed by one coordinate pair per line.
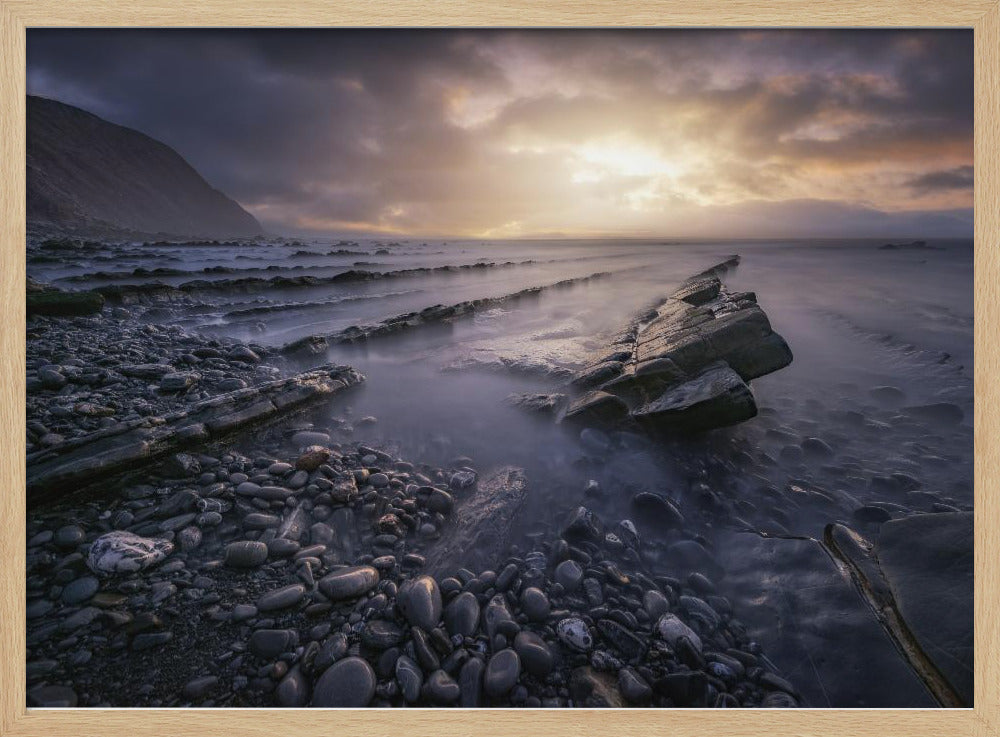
x,y
198,688
442,688
502,673
245,554
348,583
305,438
535,654
575,633
148,640
633,686
420,602
69,536
268,643
568,574
670,628
461,616
282,598
293,690
655,604
470,680
582,525
410,679
124,552
817,448
657,509
380,634
535,604
80,590
348,683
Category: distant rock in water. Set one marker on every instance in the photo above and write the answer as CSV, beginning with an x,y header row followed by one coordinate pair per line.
x,y
88,175
912,246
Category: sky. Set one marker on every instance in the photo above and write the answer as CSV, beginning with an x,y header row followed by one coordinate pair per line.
x,y
548,133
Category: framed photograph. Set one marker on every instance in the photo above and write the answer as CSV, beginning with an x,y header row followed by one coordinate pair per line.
x,y
580,368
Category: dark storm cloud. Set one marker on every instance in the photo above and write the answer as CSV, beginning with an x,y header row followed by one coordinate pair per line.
x,y
501,132
958,178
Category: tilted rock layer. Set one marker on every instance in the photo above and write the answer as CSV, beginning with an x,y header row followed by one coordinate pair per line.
x,y
684,366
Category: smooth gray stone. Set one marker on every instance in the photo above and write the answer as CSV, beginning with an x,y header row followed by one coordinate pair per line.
x,y
535,604
420,602
470,680
281,598
348,583
293,689
442,688
245,554
501,673
461,616
534,652
198,688
348,683
569,575
410,679
80,590
270,643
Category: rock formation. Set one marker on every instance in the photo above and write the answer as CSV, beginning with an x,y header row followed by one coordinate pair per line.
x,y
684,366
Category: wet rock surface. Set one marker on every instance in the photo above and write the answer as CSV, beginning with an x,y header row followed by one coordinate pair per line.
x,y
927,563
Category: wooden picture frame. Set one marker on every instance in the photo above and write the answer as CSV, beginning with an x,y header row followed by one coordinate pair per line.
x,y
981,15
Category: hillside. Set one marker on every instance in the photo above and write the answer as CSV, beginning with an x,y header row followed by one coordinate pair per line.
x,y
85,173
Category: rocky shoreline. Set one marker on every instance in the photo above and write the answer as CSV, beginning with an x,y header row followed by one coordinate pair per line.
x,y
198,536
300,581
318,571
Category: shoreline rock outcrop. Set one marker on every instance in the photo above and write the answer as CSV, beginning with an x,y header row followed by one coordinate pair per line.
x,y
685,365
126,446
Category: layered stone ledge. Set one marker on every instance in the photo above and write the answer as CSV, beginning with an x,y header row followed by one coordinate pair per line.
x,y
127,446
685,365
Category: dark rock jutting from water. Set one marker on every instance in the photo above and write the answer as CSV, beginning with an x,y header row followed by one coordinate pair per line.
x,y
684,366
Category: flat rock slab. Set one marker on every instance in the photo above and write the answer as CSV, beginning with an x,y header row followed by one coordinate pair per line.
x,y
927,561
814,625
128,446
478,535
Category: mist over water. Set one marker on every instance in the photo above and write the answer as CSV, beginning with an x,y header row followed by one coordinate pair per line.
x,y
856,317
828,434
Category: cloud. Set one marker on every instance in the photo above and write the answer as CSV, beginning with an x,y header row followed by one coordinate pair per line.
x,y
958,178
468,132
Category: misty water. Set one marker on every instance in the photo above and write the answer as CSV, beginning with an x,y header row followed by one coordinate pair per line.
x,y
856,317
